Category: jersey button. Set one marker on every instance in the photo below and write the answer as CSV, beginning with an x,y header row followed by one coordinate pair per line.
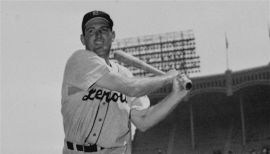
x,y
94,134
100,119
104,103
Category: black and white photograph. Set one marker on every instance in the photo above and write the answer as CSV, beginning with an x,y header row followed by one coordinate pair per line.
x,y
135,77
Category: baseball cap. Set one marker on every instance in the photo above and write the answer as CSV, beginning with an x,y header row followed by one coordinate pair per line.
x,y
96,14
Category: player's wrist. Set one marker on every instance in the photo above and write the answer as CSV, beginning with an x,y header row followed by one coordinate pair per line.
x,y
170,76
179,95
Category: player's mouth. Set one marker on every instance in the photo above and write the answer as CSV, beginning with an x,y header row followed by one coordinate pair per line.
x,y
99,42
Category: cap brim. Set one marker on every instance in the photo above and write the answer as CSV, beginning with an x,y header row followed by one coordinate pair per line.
x,y
97,20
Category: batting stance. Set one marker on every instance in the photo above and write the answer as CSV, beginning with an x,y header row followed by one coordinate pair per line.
x,y
100,99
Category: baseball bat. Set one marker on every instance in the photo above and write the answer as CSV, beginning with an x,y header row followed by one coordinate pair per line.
x,y
133,61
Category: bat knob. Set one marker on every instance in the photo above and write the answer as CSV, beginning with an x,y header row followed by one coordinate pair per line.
x,y
188,85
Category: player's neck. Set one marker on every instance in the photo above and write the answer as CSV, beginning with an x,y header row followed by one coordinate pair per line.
x,y
106,57
108,61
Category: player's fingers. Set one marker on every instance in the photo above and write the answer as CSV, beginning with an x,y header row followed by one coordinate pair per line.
x,y
185,81
177,84
172,72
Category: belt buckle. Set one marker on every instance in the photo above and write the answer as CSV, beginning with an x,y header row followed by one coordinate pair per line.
x,y
99,148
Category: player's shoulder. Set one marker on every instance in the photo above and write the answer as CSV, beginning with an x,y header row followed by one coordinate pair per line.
x,y
82,53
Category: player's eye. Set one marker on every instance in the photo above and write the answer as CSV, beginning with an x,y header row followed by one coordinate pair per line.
x,y
91,31
105,29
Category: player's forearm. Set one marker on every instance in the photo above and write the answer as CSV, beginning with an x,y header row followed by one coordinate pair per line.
x,y
158,112
132,86
143,86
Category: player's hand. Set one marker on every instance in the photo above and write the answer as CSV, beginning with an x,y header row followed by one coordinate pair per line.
x,y
173,73
178,86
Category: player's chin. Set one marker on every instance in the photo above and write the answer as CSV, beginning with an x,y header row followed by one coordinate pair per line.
x,y
101,51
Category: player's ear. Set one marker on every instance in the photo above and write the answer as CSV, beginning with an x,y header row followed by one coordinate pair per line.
x,y
113,36
82,39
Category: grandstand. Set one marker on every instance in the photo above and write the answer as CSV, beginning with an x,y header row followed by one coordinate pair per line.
x,y
224,113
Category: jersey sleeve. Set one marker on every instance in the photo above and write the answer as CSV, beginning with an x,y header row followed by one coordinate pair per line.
x,y
84,68
140,103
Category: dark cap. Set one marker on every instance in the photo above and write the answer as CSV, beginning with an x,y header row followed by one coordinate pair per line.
x,y
93,14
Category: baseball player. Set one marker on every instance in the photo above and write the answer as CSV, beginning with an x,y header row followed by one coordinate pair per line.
x,y
100,99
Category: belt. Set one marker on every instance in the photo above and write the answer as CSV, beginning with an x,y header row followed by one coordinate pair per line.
x,y
84,148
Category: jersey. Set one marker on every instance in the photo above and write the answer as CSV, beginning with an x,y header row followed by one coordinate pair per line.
x,y
92,114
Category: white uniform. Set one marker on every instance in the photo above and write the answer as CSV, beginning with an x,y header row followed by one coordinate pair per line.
x,y
93,115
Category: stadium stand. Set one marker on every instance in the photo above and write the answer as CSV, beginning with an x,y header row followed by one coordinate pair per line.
x,y
231,114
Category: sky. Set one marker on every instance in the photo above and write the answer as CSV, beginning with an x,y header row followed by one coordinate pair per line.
x,y
37,38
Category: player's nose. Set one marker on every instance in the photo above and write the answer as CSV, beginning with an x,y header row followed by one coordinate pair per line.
x,y
98,33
